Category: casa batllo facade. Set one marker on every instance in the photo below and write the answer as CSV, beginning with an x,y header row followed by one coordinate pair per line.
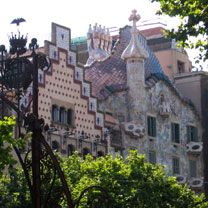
x,y
127,103
153,115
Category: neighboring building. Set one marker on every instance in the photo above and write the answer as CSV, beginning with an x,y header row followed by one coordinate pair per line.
x,y
66,103
194,85
173,60
154,117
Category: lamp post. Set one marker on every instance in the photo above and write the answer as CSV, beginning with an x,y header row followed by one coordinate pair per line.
x,y
18,71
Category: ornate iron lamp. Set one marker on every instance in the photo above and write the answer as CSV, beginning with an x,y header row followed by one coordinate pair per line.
x,y
19,70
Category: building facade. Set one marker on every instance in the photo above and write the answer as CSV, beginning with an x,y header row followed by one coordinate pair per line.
x,y
121,100
153,116
73,121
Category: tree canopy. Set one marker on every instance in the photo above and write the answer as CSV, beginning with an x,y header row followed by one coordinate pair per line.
x,y
130,183
194,23
6,142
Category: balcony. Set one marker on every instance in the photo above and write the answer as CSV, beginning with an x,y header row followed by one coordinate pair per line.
x,y
181,179
135,130
194,148
196,183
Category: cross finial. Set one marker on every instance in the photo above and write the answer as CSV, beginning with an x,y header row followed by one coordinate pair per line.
x,y
135,18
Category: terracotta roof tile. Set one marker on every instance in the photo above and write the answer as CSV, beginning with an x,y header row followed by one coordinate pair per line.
x,y
113,70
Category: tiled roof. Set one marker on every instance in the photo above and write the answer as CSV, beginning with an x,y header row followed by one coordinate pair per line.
x,y
113,70
153,32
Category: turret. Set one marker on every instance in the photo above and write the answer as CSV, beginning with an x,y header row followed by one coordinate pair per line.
x,y
135,55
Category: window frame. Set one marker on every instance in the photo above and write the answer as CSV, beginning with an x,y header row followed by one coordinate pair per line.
x,y
151,126
180,67
192,133
175,132
55,113
176,165
62,115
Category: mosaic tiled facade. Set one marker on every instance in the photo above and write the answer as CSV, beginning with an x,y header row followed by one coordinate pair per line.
x,y
126,104
153,116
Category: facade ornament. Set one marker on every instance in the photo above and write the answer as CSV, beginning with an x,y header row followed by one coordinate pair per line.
x,y
164,106
99,44
134,49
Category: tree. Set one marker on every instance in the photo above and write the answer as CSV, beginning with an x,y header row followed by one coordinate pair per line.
x,y
13,187
194,23
6,143
130,183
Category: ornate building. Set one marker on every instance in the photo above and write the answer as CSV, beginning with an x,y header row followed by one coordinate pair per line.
x,y
73,121
122,100
153,115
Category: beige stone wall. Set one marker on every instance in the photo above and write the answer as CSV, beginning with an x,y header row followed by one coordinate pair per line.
x,y
61,89
168,60
189,85
64,85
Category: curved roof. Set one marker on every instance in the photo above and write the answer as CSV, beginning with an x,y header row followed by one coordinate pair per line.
x,y
112,71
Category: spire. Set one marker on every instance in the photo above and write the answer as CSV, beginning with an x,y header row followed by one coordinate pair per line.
x,y
89,33
99,44
134,49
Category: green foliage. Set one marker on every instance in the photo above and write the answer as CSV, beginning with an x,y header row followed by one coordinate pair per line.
x,y
194,23
6,142
14,191
13,188
131,183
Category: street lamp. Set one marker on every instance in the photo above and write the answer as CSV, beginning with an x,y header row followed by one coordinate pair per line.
x,y
19,70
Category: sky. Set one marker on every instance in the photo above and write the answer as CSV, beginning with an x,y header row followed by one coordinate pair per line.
x,y
77,15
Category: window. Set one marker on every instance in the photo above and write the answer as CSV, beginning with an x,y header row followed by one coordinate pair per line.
x,y
70,149
85,152
175,132
55,145
192,134
151,125
152,157
62,115
55,113
176,165
69,117
181,67
192,168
